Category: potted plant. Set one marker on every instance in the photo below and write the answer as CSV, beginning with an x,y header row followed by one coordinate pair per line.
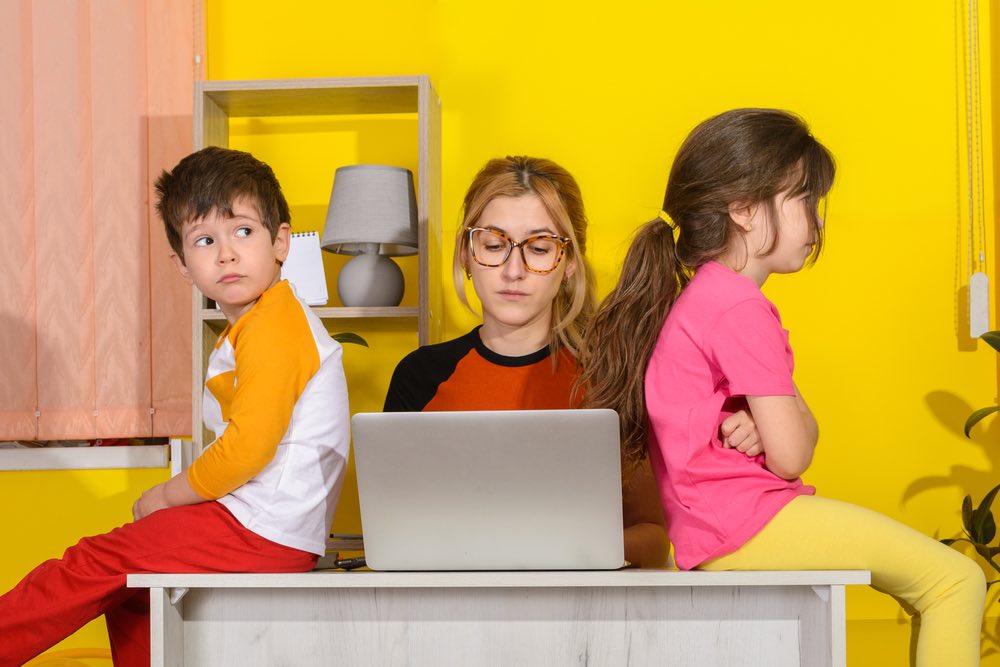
x,y
978,523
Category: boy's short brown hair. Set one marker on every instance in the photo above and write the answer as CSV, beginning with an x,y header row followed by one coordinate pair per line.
x,y
212,179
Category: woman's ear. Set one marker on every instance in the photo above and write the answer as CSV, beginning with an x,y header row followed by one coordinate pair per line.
x,y
742,214
570,268
464,256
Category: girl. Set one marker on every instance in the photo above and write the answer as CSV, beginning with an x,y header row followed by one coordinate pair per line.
x,y
522,243
686,338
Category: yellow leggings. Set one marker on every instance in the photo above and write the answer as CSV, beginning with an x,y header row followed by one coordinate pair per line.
x,y
942,589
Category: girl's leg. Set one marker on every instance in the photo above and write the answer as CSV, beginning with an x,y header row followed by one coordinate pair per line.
x,y
61,595
946,589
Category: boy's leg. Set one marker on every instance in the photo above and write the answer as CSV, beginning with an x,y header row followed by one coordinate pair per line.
x,y
944,587
128,629
60,595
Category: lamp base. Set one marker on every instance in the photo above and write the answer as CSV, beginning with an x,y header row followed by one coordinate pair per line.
x,y
370,280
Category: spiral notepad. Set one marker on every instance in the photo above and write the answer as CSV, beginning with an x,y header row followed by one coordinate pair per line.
x,y
303,268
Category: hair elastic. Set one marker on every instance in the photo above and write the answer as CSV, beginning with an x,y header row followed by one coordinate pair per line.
x,y
666,218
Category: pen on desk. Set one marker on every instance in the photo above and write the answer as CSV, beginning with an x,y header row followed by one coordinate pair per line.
x,y
349,563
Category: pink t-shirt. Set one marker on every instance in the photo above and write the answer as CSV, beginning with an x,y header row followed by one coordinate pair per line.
x,y
722,341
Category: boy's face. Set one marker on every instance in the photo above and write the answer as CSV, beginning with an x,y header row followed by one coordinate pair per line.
x,y
232,260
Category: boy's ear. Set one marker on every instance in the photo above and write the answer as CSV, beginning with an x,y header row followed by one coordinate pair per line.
x,y
742,214
282,241
181,268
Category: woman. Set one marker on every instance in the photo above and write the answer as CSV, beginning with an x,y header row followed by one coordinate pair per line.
x,y
522,243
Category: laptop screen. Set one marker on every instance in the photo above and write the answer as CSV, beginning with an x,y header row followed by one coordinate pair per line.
x,y
498,490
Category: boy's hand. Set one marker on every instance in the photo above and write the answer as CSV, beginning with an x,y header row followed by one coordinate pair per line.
x,y
151,500
739,432
172,493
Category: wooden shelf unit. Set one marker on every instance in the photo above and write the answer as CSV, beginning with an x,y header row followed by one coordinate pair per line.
x,y
216,103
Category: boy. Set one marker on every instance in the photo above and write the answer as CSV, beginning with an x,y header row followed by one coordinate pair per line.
x,y
261,497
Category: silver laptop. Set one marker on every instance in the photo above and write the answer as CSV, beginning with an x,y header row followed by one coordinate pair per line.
x,y
503,490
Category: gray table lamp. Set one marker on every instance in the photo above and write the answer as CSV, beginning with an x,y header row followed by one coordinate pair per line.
x,y
372,214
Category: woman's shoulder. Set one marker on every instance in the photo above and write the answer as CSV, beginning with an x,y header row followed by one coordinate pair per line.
x,y
418,375
447,352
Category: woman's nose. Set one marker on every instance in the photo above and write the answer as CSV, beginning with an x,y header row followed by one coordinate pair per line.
x,y
513,268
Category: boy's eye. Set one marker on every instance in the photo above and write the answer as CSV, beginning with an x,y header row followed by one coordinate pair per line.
x,y
203,241
243,232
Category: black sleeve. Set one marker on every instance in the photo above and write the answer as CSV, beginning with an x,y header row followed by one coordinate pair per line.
x,y
408,391
418,376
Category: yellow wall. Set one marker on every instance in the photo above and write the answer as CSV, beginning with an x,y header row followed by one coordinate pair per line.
x,y
610,92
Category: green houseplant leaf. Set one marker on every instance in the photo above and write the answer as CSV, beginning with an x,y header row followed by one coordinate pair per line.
x,y
986,530
984,527
348,337
967,514
993,338
978,416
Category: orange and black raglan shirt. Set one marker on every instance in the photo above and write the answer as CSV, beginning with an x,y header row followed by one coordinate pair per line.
x,y
463,374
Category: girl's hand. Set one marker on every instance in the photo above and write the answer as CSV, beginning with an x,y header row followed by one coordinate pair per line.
x,y
739,431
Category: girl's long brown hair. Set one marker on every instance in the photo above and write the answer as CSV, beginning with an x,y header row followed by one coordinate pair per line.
x,y
743,155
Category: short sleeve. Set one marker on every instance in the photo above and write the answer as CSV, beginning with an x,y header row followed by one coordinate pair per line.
x,y
417,377
408,391
751,350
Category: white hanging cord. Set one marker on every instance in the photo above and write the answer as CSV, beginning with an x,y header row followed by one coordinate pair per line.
x,y
975,145
979,314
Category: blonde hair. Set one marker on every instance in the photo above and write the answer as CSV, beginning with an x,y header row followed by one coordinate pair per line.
x,y
517,176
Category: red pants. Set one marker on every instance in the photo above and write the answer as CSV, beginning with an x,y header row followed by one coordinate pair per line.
x,y
61,595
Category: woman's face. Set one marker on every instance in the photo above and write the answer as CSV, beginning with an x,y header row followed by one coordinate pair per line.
x,y
515,299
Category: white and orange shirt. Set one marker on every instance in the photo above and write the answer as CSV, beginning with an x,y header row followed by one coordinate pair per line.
x,y
276,399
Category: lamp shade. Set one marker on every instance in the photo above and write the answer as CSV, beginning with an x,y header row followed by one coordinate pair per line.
x,y
371,204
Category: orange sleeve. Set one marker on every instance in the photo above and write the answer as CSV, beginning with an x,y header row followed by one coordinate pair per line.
x,y
275,357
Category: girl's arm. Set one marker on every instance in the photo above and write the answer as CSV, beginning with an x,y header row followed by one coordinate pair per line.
x,y
788,432
807,415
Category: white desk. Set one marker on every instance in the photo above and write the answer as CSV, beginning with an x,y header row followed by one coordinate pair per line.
x,y
628,617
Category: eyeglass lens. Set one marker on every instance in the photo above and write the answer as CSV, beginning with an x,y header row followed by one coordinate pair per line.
x,y
540,253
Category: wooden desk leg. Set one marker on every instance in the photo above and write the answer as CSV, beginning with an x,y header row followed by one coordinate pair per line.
x,y
838,625
166,630
826,626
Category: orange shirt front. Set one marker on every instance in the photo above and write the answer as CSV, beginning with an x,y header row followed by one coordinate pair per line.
x,y
463,374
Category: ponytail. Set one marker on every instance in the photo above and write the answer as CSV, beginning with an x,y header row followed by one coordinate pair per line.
x,y
619,339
